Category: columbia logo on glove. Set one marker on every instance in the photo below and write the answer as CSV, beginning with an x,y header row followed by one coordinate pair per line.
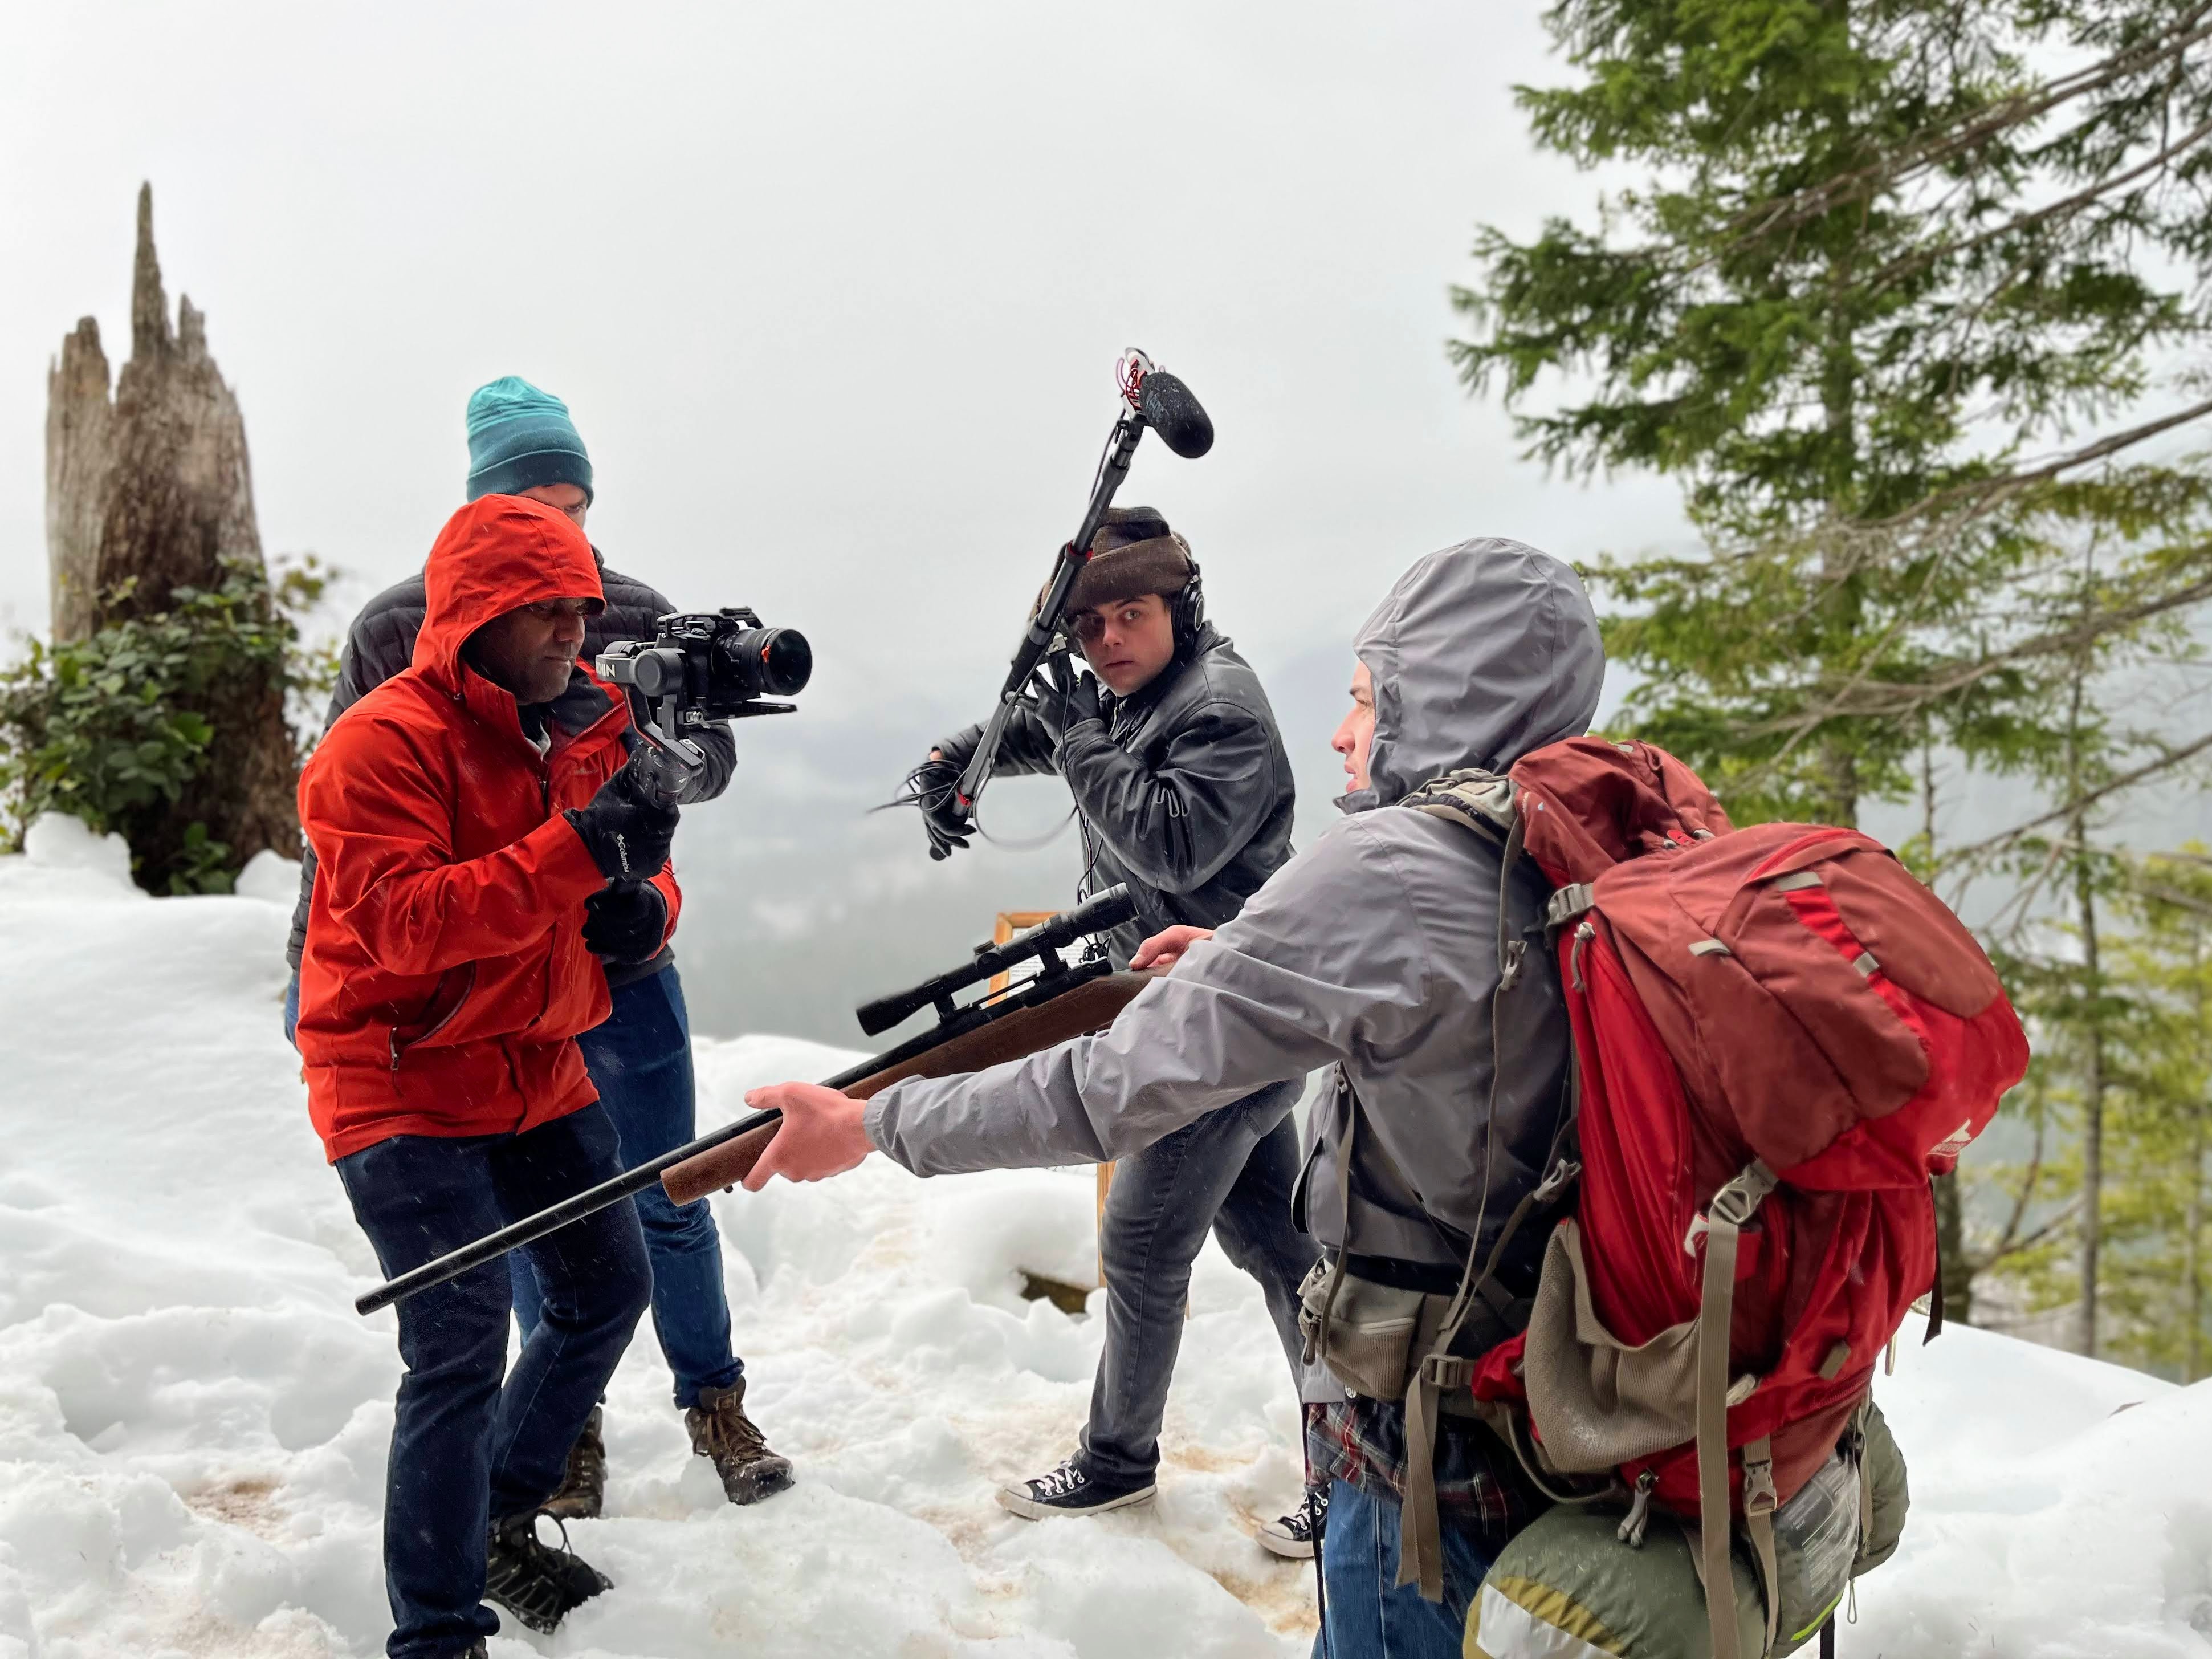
x,y
625,835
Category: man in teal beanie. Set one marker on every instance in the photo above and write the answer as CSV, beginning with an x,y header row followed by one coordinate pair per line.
x,y
521,442
521,439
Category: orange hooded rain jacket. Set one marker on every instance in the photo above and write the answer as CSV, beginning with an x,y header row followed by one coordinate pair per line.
x,y
444,976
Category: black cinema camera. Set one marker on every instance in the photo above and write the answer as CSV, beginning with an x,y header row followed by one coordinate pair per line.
x,y
702,668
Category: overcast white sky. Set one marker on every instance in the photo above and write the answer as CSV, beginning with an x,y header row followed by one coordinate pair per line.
x,y
832,291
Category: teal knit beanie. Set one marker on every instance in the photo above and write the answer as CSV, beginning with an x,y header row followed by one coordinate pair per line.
x,y
519,438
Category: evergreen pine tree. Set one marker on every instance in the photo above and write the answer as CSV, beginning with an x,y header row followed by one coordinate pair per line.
x,y
1875,276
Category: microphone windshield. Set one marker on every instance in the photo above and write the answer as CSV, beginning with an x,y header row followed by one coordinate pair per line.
x,y
1170,410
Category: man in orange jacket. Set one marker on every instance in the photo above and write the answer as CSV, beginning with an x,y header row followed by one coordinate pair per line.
x,y
475,829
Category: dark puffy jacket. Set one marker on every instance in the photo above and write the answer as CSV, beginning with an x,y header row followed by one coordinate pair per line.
x,y
1184,793
381,642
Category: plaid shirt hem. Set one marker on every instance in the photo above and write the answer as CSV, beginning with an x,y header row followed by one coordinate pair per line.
x,y
1362,1442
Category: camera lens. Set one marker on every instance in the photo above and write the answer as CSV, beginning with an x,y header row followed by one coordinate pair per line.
x,y
774,661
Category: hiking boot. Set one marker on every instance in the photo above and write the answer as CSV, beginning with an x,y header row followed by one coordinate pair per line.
x,y
1071,1489
721,1431
538,1585
584,1488
1295,1536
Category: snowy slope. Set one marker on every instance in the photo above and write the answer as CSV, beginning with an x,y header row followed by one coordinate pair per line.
x,y
192,1420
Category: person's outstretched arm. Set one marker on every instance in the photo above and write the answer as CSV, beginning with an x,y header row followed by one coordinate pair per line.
x,y
1328,960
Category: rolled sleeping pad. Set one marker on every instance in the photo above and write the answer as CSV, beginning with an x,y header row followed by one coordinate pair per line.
x,y
1569,1587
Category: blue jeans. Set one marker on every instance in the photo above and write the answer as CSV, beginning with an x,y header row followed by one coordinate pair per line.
x,y
468,1447
1231,1171
1369,1615
292,1010
641,1058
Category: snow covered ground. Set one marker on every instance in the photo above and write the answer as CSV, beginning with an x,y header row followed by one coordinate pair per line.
x,y
193,1421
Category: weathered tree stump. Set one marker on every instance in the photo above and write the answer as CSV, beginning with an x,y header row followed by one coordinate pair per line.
x,y
151,493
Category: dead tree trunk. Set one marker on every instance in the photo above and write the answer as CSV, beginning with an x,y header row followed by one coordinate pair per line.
x,y
150,494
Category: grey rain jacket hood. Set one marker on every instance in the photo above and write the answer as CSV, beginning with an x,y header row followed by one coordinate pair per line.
x,y
1480,654
1375,950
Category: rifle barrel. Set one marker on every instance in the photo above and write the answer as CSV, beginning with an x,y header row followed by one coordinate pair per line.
x,y
592,1199
529,1229
630,1183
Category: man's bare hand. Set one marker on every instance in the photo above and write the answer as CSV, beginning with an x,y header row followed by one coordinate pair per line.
x,y
823,1133
1165,949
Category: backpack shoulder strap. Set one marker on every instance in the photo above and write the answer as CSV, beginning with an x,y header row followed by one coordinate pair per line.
x,y
1487,804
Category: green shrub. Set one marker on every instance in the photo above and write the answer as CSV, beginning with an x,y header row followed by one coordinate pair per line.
x,y
106,729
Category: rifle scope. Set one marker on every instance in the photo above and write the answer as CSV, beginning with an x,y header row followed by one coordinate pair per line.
x,y
1042,942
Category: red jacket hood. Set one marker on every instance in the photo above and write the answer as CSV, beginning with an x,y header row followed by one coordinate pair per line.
x,y
497,555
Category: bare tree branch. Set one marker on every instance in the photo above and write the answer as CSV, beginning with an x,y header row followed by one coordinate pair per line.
x,y
2125,780
1897,698
1888,277
2021,1200
1939,145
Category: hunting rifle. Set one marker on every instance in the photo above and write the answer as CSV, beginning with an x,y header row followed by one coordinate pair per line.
x,y
1064,1000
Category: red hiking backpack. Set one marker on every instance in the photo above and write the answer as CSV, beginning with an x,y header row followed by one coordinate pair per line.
x,y
1780,1035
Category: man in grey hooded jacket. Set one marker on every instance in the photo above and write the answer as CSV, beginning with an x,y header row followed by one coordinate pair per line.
x,y
1377,951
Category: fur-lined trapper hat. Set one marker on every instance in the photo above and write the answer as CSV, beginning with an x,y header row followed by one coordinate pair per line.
x,y
1133,552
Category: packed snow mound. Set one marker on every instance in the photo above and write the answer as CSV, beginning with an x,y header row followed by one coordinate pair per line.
x,y
193,1421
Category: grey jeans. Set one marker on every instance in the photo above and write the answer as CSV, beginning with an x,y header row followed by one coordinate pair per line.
x,y
1232,1171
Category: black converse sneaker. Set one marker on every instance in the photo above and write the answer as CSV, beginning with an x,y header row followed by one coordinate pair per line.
x,y
538,1585
1071,1489
1294,1535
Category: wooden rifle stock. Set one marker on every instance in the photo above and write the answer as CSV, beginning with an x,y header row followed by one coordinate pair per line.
x,y
1090,1006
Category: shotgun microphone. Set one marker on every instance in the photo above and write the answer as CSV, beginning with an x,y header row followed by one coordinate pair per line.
x,y
1170,410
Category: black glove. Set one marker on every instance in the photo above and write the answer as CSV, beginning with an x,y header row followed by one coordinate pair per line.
x,y
626,922
626,835
1066,699
936,785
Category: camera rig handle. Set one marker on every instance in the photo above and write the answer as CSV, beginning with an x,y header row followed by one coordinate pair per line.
x,y
662,760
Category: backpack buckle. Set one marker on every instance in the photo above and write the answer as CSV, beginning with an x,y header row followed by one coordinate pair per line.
x,y
1759,1493
1734,1204
1447,1371
1564,905
1515,951
1561,1176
